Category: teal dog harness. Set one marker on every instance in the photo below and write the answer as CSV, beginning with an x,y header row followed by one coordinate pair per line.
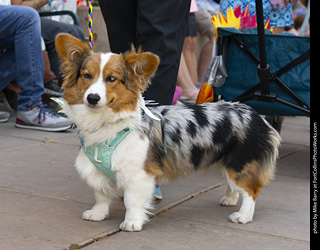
x,y
100,155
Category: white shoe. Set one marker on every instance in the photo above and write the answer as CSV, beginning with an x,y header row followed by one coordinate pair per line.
x,y
4,116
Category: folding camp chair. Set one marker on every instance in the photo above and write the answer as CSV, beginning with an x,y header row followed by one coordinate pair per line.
x,y
269,72
73,15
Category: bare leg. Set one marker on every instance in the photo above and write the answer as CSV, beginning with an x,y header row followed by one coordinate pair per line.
x,y
184,80
189,51
205,55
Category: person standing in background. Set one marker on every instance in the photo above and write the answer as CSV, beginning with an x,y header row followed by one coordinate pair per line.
x,y
155,26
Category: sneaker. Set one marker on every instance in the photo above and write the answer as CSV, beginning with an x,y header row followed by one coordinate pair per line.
x,y
157,193
52,88
4,116
42,118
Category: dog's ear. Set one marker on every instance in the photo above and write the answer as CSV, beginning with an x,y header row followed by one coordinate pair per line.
x,y
72,52
141,66
70,49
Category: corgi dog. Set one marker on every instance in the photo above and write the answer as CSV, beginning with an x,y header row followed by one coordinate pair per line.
x,y
103,98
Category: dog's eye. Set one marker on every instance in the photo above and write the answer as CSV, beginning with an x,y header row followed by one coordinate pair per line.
x,y
87,76
111,79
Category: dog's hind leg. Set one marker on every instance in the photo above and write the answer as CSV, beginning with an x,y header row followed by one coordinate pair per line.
x,y
249,185
100,210
246,211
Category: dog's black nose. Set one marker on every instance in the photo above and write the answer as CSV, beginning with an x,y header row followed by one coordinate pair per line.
x,y
93,99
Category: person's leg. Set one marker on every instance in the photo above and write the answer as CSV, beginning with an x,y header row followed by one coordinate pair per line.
x,y
49,30
48,74
161,29
51,86
189,47
7,55
190,91
206,29
206,55
158,27
120,17
7,66
23,24
189,51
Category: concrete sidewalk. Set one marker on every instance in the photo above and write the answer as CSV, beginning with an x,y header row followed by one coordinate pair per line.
x,y
42,199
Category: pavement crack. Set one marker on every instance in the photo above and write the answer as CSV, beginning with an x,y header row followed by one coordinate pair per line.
x,y
293,152
184,199
93,240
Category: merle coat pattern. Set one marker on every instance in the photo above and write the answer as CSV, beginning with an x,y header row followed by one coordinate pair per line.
x,y
231,135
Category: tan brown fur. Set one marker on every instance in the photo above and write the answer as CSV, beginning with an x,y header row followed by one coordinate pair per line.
x,y
153,168
141,67
252,178
71,52
73,93
168,171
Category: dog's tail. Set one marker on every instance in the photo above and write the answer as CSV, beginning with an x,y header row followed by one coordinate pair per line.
x,y
270,161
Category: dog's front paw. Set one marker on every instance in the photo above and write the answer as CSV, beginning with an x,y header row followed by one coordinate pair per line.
x,y
131,226
94,215
238,217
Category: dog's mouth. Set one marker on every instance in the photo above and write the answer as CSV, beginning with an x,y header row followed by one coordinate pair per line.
x,y
111,99
94,106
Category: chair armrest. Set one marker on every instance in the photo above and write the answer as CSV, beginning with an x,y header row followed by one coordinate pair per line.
x,y
74,16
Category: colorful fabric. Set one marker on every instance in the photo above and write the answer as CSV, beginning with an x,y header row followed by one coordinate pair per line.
x,y
280,18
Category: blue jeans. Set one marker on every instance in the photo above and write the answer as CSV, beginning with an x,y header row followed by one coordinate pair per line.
x,y
49,30
21,56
